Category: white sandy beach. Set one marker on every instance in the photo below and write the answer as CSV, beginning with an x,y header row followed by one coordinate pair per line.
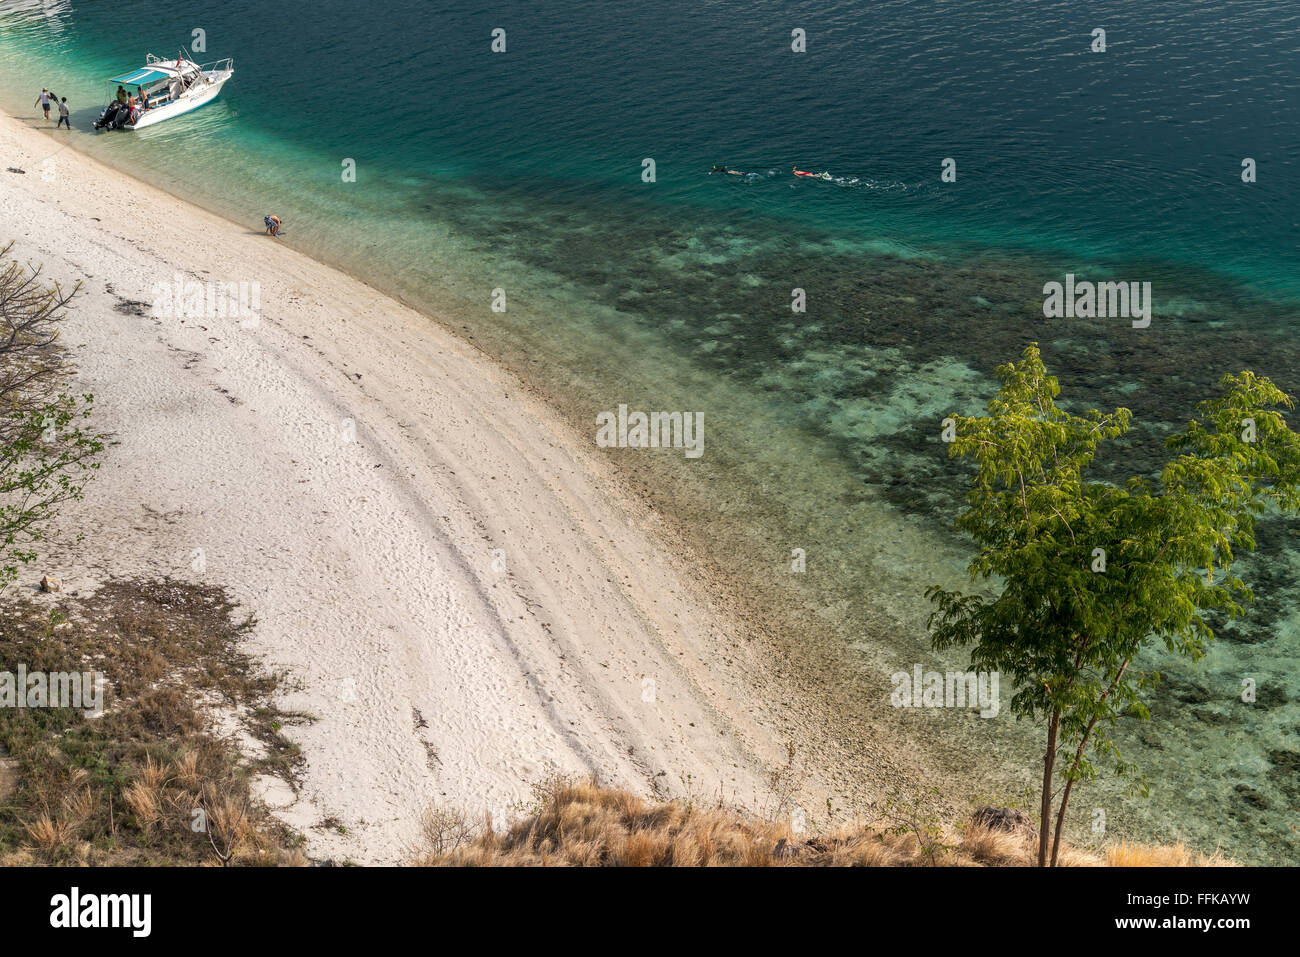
x,y
434,675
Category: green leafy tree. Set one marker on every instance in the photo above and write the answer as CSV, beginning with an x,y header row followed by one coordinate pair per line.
x,y
46,453
1090,572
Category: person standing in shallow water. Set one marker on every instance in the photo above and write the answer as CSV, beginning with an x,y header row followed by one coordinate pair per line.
x,y
63,115
44,101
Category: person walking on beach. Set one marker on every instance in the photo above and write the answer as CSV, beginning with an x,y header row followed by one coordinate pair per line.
x,y
63,115
272,225
44,101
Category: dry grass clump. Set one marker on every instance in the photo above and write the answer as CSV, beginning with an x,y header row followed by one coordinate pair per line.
x,y
579,823
146,782
995,847
1178,854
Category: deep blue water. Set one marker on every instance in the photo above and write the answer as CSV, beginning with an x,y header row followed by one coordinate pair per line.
x,y
523,170
1135,150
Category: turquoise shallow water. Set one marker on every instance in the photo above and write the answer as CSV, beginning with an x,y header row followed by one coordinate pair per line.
x,y
522,171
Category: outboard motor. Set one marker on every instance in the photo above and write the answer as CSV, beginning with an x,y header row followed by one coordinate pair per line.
x,y
113,116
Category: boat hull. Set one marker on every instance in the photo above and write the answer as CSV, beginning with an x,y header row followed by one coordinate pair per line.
x,y
187,104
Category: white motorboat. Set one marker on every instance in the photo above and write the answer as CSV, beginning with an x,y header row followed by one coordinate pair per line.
x,y
160,90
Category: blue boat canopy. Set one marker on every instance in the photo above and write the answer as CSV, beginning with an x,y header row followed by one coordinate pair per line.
x,y
141,77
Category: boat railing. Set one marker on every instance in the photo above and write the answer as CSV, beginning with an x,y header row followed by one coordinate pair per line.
x,y
219,66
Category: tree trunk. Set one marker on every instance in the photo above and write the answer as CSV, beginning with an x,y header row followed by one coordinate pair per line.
x,y
1060,819
1049,765
1074,766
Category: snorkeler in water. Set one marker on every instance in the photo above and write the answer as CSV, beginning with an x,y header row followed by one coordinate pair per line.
x,y
723,169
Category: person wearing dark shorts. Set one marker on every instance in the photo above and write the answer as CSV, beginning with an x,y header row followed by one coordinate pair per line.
x,y
63,115
44,101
